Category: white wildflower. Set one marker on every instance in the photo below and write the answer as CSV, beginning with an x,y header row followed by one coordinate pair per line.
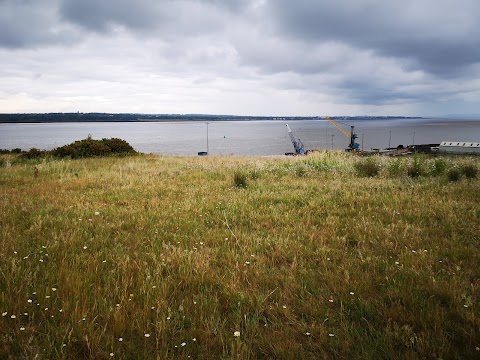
x,y
236,334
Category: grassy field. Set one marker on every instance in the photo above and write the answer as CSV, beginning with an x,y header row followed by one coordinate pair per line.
x,y
328,256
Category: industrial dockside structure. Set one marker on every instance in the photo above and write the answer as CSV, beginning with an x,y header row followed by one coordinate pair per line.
x,y
454,147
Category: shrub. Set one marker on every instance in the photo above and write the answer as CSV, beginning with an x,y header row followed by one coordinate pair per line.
x,y
439,167
454,174
240,179
33,153
396,167
416,168
368,167
89,148
118,146
470,171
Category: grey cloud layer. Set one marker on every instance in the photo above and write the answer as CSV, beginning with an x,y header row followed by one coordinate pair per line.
x,y
437,36
440,36
359,51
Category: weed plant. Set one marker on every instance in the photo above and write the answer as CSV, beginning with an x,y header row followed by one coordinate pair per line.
x,y
151,257
417,166
470,171
454,174
240,179
368,167
439,166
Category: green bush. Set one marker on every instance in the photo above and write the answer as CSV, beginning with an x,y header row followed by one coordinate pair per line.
x,y
118,146
368,167
89,148
33,153
470,171
396,167
416,168
454,174
239,179
439,167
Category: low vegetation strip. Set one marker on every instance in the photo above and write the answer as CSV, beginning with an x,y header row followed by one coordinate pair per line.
x,y
317,257
79,149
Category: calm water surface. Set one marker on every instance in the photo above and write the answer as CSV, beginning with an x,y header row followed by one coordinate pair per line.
x,y
242,137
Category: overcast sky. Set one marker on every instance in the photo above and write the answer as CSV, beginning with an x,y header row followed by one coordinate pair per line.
x,y
242,57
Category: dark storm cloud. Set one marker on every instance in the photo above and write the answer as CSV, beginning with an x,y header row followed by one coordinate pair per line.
x,y
25,23
99,15
439,36
172,16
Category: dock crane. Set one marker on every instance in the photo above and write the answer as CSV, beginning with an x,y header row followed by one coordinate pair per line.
x,y
297,144
352,146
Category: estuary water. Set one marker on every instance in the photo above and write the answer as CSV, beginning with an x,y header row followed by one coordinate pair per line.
x,y
265,137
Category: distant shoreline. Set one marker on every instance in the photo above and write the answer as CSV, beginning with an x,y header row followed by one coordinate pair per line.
x,y
107,117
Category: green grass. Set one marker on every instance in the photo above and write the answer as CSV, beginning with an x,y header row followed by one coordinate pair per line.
x,y
309,261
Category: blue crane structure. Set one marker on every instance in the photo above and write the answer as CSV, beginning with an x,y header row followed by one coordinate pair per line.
x,y
297,144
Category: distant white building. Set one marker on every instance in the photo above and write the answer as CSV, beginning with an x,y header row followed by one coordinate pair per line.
x,y
458,147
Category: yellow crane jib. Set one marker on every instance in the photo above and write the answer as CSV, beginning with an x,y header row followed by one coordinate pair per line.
x,y
352,146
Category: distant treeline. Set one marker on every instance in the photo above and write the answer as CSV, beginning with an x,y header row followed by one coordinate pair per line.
x,y
107,117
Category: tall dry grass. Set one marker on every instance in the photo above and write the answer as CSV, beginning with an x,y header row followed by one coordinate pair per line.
x,y
151,257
